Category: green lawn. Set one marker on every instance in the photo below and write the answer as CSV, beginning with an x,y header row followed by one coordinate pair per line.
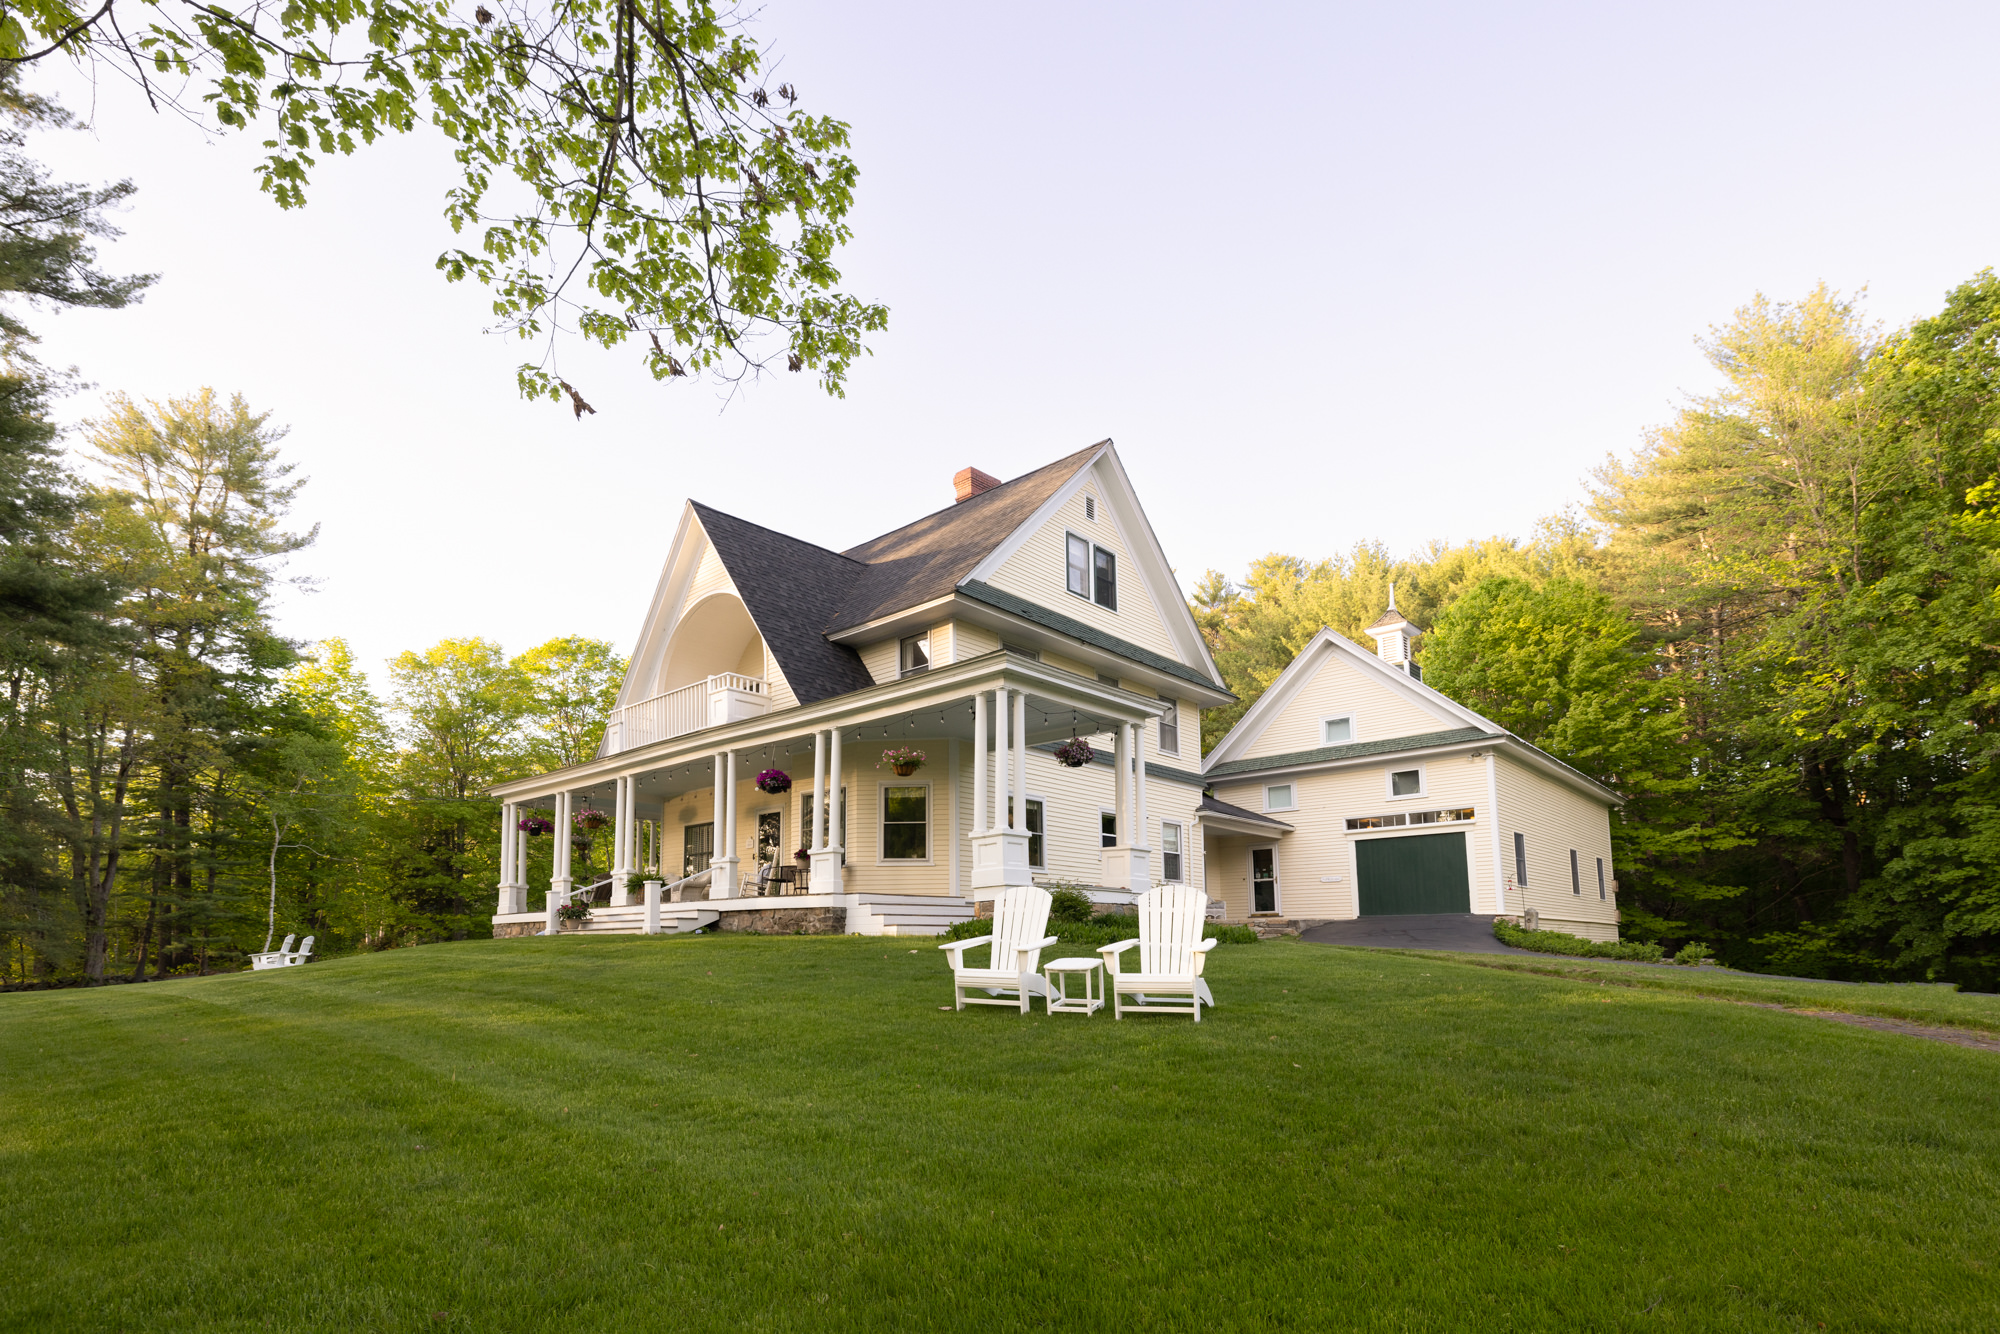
x,y
788,1133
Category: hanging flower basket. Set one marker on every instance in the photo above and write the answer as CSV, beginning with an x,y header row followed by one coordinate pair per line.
x,y
591,821
535,826
774,781
1075,753
905,760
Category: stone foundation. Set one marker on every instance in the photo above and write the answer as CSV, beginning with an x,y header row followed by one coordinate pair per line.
x,y
785,922
506,929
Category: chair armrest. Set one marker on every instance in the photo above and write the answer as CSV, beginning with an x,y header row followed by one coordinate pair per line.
x,y
1112,951
1207,945
957,948
1019,950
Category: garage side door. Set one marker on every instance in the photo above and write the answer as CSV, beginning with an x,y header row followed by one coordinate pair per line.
x,y
1418,874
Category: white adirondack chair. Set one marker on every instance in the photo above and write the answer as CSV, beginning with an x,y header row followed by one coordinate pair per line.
x,y
276,957
1171,955
304,952
1020,919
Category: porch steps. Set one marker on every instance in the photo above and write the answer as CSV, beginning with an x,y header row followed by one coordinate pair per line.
x,y
675,919
905,915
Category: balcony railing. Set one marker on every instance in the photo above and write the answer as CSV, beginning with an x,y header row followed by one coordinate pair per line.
x,y
722,698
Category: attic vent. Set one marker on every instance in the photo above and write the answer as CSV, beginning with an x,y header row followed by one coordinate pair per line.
x,y
969,482
1090,508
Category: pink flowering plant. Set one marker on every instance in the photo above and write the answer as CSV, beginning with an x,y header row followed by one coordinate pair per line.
x,y
1075,753
903,759
590,819
535,826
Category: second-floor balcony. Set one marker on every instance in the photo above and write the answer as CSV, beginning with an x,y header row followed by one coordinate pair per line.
x,y
723,698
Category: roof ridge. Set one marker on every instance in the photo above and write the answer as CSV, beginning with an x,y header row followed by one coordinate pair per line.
x,y
958,506
702,507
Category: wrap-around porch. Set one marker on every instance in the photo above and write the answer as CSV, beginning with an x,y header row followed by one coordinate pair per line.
x,y
689,839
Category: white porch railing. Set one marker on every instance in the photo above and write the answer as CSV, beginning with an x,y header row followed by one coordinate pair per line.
x,y
722,698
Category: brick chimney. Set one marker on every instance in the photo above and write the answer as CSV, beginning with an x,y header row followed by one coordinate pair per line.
x,y
969,482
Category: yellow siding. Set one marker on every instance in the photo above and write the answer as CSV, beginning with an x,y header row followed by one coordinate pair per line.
x,y
1339,686
782,696
1316,876
1556,819
971,641
1082,669
709,577
1035,572
1188,756
880,660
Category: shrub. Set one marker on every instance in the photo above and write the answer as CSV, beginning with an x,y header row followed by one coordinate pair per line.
x,y
1561,942
1692,953
1070,905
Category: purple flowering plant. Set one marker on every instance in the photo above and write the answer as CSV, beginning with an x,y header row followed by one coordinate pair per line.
x,y
1075,752
774,781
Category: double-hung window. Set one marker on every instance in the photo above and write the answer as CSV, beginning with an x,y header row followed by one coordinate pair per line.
x,y
1107,824
916,654
906,823
1090,572
1170,852
1170,730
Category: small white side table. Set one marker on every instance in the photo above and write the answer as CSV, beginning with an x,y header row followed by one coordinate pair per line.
x,y
1057,974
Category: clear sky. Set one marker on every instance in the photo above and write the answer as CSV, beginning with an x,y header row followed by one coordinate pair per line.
x,y
1324,272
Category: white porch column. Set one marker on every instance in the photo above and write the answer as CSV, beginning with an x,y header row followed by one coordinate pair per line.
x,y
508,819
729,797
828,876
1141,840
815,843
1119,869
979,825
621,842
1020,821
559,881
719,886
1000,850
950,824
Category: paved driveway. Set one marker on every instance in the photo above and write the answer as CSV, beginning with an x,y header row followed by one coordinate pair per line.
x,y
1468,933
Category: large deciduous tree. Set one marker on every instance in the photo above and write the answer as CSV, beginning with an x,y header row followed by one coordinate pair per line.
x,y
624,169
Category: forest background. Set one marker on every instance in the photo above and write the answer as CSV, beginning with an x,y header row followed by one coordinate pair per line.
x,y
1773,630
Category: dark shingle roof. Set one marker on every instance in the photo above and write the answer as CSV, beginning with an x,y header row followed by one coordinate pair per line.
x,y
1210,806
786,584
922,561
1387,746
979,591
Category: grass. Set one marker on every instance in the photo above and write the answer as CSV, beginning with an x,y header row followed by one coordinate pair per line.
x,y
787,1133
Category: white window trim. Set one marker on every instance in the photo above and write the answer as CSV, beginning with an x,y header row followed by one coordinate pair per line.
x,y
882,786
1103,811
1435,826
1161,746
903,668
1046,804
1353,721
1277,876
1089,566
1389,783
1293,784
1183,854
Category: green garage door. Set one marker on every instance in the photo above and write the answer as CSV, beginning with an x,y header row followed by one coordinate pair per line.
x,y
1421,873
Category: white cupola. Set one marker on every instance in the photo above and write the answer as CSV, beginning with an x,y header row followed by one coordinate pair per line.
x,y
1395,638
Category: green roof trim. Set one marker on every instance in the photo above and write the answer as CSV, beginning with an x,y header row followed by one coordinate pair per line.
x,y
1161,771
1358,750
980,591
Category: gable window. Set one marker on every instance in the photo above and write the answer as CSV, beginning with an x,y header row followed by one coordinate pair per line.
x,y
1278,797
1170,852
1600,877
1170,730
1520,859
1337,731
1104,589
1406,782
1090,572
1107,823
906,823
916,654
1079,566
1037,826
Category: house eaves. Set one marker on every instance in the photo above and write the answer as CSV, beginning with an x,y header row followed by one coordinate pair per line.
x,y
1086,634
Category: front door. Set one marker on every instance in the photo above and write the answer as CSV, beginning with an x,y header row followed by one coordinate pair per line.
x,y
700,844
1263,880
1422,873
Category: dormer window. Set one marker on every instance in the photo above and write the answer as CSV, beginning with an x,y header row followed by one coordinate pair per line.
x,y
916,653
1091,572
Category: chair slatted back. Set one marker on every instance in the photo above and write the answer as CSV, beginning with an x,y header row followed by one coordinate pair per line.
x,y
306,948
1020,917
286,948
1170,922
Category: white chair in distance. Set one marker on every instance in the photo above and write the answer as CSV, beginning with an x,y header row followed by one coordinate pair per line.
x,y
284,956
1019,935
276,957
1171,955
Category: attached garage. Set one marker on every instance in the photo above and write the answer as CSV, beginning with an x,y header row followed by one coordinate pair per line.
x,y
1414,873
